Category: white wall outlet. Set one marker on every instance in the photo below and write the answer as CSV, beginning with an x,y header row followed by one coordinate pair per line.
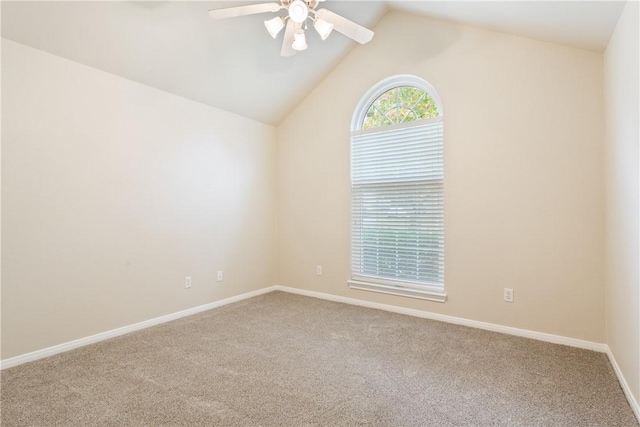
x,y
319,270
187,282
508,295
219,276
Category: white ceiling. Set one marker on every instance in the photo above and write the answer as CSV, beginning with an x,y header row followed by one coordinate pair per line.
x,y
236,66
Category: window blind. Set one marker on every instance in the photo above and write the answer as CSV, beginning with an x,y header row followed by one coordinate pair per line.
x,y
397,211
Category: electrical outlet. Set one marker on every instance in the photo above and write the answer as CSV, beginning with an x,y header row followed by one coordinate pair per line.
x,y
187,282
319,270
508,295
219,277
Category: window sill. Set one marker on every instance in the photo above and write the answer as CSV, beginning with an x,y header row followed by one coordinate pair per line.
x,y
400,291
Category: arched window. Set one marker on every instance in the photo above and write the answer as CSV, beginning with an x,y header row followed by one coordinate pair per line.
x,y
397,190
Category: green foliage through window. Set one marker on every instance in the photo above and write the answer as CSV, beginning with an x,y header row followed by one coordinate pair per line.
x,y
399,105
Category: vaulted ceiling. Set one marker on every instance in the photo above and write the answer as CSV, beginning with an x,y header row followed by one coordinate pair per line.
x,y
234,64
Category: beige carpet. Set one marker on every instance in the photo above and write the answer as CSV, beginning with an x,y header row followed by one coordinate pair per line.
x,y
286,360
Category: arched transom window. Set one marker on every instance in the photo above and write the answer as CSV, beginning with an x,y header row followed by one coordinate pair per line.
x,y
400,105
397,190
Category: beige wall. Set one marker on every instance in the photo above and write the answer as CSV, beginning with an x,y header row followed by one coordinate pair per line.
x,y
113,192
524,178
623,191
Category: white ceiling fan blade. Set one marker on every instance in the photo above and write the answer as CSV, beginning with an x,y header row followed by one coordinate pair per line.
x,y
232,12
348,28
287,43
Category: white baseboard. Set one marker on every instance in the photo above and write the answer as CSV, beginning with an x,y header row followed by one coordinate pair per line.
x,y
635,405
555,339
60,348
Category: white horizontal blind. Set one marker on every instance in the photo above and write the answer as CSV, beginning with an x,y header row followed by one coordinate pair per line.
x,y
397,210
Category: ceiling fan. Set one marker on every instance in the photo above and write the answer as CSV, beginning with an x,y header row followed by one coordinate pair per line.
x,y
298,12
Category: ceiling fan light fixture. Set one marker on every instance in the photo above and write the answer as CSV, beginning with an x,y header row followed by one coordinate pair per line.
x,y
299,40
295,22
323,28
274,26
298,11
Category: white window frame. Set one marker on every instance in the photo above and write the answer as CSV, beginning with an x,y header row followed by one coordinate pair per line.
x,y
391,287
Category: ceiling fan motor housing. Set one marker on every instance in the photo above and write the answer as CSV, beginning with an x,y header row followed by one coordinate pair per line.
x,y
298,11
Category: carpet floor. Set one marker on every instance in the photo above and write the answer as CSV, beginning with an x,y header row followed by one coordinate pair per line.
x,y
286,360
